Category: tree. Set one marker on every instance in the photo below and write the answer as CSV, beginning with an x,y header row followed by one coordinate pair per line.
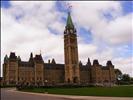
x,y
118,74
126,78
131,78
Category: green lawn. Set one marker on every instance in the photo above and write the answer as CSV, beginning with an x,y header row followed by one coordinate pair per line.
x,y
117,91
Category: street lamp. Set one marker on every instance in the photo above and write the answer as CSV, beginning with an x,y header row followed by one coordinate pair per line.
x,y
46,81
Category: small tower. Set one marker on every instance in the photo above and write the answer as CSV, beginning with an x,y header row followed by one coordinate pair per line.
x,y
71,53
88,62
31,57
19,58
39,69
5,69
53,61
5,59
112,78
11,69
96,72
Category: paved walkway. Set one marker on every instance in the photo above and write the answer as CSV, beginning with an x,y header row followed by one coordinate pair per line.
x,y
12,94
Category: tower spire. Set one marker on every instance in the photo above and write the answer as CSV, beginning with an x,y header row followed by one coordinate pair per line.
x,y
69,21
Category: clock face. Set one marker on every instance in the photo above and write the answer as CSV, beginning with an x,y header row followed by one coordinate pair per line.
x,y
71,31
67,31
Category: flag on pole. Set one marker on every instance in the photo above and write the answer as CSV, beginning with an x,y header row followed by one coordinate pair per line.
x,y
69,7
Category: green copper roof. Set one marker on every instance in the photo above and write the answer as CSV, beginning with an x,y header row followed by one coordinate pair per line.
x,y
19,58
69,21
6,58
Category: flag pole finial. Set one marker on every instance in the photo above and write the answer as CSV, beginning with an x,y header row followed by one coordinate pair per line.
x,y
69,7
40,52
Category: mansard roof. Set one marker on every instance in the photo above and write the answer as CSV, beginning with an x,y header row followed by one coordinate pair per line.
x,y
38,58
25,64
54,66
109,63
12,55
84,68
95,62
105,67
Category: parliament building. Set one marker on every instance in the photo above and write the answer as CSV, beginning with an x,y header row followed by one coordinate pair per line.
x,y
36,71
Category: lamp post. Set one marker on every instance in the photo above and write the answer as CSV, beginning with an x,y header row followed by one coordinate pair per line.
x,y
46,81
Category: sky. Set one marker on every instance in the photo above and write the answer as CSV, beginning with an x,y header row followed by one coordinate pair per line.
x,y
104,30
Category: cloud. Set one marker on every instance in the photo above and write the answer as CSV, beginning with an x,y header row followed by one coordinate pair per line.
x,y
108,35
90,15
91,12
119,31
30,32
124,64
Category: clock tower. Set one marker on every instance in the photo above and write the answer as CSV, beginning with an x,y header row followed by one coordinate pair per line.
x,y
71,53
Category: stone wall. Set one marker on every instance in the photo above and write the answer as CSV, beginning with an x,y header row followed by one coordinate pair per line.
x,y
84,74
54,73
54,76
26,75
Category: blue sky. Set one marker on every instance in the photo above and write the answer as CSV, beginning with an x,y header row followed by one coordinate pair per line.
x,y
101,31
5,4
127,6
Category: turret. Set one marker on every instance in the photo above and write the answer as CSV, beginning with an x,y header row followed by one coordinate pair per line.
x,y
88,62
49,61
13,56
38,59
95,62
39,69
12,65
31,57
5,59
19,59
112,77
80,63
109,64
53,61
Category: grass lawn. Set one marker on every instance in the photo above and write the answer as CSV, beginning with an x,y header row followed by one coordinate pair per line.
x,y
117,91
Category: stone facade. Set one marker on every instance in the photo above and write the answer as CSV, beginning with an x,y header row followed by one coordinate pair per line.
x,y
35,71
